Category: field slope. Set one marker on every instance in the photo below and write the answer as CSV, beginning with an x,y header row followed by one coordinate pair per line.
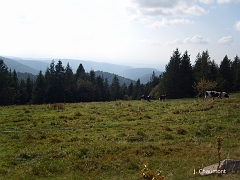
x,y
113,140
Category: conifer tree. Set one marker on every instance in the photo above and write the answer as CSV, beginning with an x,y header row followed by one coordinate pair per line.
x,y
115,89
69,85
80,73
6,89
225,76
29,88
59,84
201,67
38,93
236,73
186,76
171,76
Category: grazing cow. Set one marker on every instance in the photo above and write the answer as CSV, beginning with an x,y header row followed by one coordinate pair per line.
x,y
215,94
148,98
162,97
143,97
224,95
209,94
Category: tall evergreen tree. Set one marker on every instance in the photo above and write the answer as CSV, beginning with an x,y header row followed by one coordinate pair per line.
x,y
85,90
106,93
50,83
186,76
201,67
69,85
15,86
59,84
6,89
130,90
171,76
80,73
213,71
29,89
115,89
22,98
138,90
225,77
236,73
39,91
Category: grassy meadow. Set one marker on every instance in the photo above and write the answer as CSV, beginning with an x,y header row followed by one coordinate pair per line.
x,y
113,140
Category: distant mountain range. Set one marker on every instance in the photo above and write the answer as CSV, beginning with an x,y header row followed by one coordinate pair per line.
x,y
107,70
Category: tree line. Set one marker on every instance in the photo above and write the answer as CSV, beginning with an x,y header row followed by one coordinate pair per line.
x,y
60,84
180,76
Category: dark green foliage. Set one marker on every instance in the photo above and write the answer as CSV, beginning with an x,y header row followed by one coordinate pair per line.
x,y
236,73
201,67
225,76
178,79
7,91
115,89
39,90
186,76
60,84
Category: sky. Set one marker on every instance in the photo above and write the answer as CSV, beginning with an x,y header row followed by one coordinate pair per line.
x,y
129,32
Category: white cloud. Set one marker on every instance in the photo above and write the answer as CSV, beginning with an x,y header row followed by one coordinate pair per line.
x,y
227,40
237,26
166,8
196,40
152,43
206,1
195,11
228,1
175,42
166,23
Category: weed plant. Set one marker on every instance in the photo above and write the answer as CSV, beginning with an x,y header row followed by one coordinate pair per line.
x,y
113,140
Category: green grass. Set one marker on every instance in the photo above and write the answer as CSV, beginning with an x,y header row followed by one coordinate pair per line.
x,y
113,140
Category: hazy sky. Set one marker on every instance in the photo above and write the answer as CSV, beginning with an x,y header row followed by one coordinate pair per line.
x,y
119,31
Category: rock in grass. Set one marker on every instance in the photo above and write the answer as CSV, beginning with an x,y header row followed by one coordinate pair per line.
x,y
226,166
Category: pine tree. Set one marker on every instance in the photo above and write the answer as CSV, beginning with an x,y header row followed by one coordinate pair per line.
x,y
6,89
201,67
29,89
106,92
225,76
115,89
130,90
138,90
80,73
85,90
15,86
59,84
186,76
236,73
69,85
213,71
38,93
22,98
171,76
50,83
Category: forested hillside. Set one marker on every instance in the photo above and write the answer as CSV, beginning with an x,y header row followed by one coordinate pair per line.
x,y
61,84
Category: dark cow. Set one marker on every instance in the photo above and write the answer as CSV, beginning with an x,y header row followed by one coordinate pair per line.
x,y
162,97
224,95
143,97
